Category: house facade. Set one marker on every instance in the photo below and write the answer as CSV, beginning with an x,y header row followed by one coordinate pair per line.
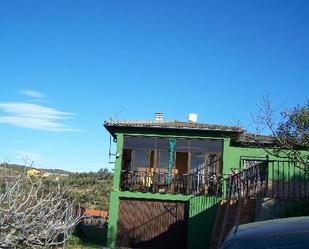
x,y
168,180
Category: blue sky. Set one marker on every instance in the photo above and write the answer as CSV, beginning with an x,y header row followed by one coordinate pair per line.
x,y
66,66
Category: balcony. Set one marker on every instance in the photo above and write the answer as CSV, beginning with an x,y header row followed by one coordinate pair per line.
x,y
161,182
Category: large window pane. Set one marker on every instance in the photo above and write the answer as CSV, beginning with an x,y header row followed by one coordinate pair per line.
x,y
139,143
162,144
209,146
182,145
163,157
198,163
127,159
213,164
145,152
141,159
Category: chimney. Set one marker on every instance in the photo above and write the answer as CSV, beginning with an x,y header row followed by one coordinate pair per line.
x,y
159,116
192,117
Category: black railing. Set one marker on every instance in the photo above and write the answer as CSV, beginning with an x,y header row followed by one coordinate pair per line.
x,y
269,178
190,184
248,183
289,180
261,178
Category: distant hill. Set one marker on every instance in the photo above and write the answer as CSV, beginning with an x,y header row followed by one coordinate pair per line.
x,y
21,168
91,190
57,171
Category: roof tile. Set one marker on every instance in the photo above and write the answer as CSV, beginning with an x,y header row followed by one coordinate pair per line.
x,y
172,125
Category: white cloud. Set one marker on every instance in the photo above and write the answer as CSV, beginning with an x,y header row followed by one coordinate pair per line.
x,y
32,93
34,116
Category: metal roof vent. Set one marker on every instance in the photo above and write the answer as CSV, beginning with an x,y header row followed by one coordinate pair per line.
x,y
192,117
159,116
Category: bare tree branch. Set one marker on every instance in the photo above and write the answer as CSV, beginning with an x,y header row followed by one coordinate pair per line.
x,y
289,135
33,215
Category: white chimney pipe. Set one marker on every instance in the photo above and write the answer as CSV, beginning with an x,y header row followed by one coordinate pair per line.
x,y
159,116
192,117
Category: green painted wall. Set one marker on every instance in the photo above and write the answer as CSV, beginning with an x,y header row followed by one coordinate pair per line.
x,y
118,161
202,216
112,219
113,199
276,170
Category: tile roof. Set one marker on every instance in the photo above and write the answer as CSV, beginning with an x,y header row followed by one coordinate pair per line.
x,y
255,139
239,135
172,125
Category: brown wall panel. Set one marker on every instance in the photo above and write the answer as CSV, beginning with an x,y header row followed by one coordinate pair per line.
x,y
152,224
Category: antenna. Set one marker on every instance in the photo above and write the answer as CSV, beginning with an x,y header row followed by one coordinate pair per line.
x,y
117,113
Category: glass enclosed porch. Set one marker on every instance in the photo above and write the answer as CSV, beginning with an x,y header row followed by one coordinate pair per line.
x,y
169,165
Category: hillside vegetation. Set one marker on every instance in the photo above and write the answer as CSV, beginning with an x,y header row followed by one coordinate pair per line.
x,y
91,190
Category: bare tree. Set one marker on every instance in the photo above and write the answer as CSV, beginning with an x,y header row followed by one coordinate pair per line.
x,y
34,214
289,132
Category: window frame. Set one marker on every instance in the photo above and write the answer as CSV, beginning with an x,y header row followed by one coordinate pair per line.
x,y
157,152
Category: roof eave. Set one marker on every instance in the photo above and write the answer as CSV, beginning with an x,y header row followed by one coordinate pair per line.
x,y
112,129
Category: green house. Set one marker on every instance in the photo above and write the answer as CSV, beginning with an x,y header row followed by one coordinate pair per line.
x,y
168,180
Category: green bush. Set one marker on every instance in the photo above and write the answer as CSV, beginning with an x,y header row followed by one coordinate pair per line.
x,y
74,240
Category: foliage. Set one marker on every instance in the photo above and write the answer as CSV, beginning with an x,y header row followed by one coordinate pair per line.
x,y
34,214
76,243
92,233
83,245
290,134
293,131
74,240
18,169
91,190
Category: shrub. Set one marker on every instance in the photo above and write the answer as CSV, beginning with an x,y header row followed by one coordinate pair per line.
x,y
74,240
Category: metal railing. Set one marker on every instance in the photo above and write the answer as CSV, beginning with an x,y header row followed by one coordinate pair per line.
x,y
157,182
263,178
268,178
288,180
248,183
